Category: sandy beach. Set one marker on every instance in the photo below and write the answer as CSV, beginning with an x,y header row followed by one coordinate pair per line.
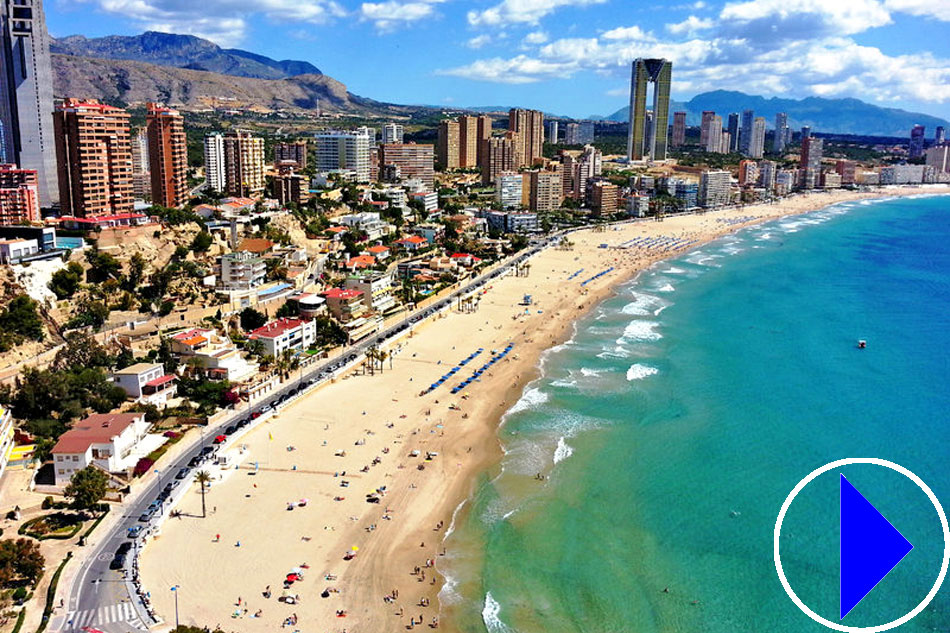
x,y
357,437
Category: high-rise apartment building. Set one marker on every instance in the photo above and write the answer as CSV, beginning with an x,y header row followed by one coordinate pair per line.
x,y
528,125
508,190
767,172
733,132
704,124
938,157
344,150
603,197
141,179
167,155
95,158
544,189
413,161
916,148
448,144
811,161
748,173
939,136
679,129
26,94
725,143
745,133
551,130
215,174
806,132
781,132
580,169
499,157
846,169
714,188
393,133
292,154
19,196
714,135
644,72
757,142
243,164
470,130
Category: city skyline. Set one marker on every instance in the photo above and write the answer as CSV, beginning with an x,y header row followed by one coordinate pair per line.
x,y
530,52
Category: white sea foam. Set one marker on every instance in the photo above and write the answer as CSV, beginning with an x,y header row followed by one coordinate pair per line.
x,y
586,371
640,331
673,270
563,450
530,399
639,372
659,310
642,305
617,351
490,613
666,288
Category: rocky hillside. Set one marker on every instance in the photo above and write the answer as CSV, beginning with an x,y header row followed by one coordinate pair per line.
x,y
133,82
181,51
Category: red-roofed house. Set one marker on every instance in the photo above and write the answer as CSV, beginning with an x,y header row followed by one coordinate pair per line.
x,y
284,334
106,439
345,304
465,259
412,243
359,262
379,251
147,383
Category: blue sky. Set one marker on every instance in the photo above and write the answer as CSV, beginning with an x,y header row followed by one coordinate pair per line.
x,y
569,57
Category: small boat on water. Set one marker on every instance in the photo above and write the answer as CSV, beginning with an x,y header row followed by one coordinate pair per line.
x,y
862,344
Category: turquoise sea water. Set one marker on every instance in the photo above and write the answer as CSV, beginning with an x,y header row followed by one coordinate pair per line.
x,y
672,426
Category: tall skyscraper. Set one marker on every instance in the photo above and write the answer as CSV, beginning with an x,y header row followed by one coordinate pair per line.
x,y
293,154
551,132
26,94
447,144
95,158
714,135
243,164
529,126
344,150
745,135
141,179
679,129
167,155
939,135
714,188
757,142
916,149
393,133
733,132
413,161
704,124
806,132
469,140
811,161
499,156
215,174
644,72
544,190
781,127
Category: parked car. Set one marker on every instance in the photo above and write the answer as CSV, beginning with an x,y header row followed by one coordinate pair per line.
x,y
134,531
230,430
182,473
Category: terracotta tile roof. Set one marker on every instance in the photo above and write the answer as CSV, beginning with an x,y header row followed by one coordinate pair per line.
x,y
378,249
256,245
360,261
99,428
342,293
276,328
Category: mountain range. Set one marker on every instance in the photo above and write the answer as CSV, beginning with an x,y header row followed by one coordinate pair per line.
x,y
840,116
181,51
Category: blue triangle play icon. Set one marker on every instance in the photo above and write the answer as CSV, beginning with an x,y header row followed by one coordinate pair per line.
x,y
870,547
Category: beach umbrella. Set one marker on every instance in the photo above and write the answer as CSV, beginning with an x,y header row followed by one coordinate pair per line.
x,y
355,548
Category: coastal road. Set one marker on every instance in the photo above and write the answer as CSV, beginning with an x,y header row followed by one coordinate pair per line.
x,y
109,600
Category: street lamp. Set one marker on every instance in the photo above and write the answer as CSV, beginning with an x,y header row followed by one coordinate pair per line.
x,y
175,591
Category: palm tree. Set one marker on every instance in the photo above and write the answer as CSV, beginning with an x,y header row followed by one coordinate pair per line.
x,y
203,477
381,356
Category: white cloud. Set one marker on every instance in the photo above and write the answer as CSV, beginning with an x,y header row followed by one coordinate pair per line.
x,y
690,26
221,21
392,13
517,70
522,11
535,37
799,18
939,9
627,33
478,41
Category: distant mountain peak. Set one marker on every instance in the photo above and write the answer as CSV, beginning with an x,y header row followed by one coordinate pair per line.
x,y
840,116
182,51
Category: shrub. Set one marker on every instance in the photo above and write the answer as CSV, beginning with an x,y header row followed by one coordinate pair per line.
x,y
143,466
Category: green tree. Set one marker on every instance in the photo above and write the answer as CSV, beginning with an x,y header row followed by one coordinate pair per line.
x,y
202,242
102,266
21,319
20,562
89,313
82,351
64,283
136,272
87,488
203,477
252,319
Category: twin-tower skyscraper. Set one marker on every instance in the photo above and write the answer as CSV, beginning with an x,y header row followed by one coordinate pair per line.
x,y
647,138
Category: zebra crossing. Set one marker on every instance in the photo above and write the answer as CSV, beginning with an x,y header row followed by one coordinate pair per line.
x,y
121,612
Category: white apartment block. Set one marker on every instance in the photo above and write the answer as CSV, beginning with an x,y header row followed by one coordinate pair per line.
x,y
344,150
147,383
393,133
241,271
715,188
104,439
214,162
285,334
508,190
377,289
